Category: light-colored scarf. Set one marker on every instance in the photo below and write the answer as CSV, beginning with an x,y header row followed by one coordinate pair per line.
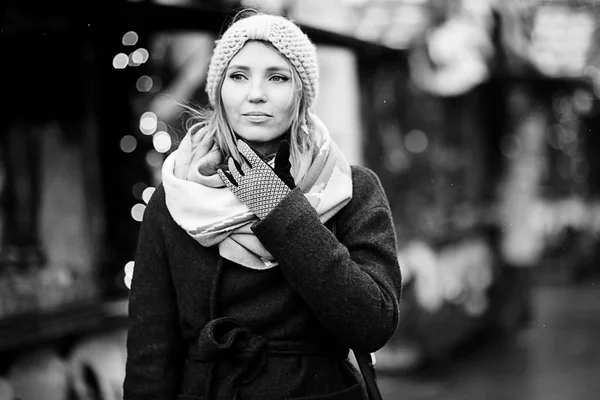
x,y
210,213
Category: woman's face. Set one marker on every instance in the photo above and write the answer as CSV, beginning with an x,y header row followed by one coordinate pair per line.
x,y
258,93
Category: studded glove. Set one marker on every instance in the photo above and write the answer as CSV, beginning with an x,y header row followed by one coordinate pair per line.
x,y
255,183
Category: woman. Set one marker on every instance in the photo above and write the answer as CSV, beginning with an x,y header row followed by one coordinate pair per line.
x,y
240,289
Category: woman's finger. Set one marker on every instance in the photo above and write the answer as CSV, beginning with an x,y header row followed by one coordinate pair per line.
x,y
249,154
227,179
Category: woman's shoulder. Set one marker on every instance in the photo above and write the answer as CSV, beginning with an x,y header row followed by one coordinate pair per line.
x,y
367,195
366,184
157,206
360,172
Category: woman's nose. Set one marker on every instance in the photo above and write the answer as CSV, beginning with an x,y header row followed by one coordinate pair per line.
x,y
256,93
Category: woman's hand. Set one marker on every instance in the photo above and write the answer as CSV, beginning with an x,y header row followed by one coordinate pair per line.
x,y
255,183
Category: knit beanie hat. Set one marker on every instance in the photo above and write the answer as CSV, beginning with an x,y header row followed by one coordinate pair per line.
x,y
286,36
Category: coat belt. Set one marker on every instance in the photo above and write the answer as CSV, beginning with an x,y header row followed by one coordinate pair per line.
x,y
225,339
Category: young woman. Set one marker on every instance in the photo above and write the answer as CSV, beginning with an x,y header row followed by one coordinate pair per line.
x,y
263,257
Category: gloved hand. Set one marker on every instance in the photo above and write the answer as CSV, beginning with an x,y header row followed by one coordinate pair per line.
x,y
255,183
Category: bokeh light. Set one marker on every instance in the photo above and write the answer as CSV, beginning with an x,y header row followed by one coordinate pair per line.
x,y
129,267
147,194
162,141
156,84
162,126
128,143
137,212
416,141
144,83
583,101
154,158
120,61
148,123
138,190
140,56
131,61
130,38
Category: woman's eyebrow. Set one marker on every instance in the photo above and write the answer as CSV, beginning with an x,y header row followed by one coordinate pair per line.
x,y
241,67
279,69
269,69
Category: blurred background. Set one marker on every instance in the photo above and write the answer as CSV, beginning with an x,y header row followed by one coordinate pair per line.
x,y
480,117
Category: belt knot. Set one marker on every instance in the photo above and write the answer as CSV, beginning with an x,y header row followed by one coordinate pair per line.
x,y
226,339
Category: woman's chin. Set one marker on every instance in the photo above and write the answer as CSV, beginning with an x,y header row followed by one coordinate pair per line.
x,y
259,135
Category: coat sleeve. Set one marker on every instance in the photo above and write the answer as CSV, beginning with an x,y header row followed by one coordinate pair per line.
x,y
352,285
154,350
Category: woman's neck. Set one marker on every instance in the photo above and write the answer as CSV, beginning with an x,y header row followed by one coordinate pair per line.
x,y
267,150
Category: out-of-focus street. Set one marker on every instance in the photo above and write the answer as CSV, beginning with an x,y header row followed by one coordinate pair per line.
x,y
556,358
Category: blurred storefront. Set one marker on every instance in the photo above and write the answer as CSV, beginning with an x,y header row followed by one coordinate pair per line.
x,y
479,116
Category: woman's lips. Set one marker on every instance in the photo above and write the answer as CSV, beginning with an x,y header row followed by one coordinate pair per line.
x,y
257,117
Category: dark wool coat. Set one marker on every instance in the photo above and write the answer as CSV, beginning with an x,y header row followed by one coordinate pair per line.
x,y
202,327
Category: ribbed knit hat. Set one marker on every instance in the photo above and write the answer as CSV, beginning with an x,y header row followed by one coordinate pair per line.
x,y
286,36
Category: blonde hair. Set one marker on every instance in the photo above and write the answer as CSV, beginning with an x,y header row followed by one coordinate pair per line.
x,y
303,143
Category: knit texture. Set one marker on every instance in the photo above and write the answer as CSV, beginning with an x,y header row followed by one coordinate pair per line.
x,y
256,184
287,38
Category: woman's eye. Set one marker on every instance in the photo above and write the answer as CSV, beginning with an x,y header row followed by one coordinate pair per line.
x,y
236,77
279,78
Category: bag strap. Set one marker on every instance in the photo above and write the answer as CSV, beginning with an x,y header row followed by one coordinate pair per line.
x,y
367,370
364,360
